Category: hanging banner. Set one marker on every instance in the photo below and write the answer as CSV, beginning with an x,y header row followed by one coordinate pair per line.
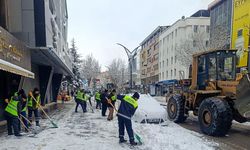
x,y
240,30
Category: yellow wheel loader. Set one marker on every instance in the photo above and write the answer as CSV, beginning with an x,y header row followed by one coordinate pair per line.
x,y
216,94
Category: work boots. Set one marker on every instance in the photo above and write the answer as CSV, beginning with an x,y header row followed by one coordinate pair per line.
x,y
122,140
133,143
37,123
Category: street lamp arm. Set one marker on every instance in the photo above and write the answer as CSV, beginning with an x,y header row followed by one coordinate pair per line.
x,y
126,49
135,50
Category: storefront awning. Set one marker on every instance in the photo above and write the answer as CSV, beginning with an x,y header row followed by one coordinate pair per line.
x,y
9,67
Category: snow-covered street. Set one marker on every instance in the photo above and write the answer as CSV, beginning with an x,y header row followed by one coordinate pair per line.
x,y
90,131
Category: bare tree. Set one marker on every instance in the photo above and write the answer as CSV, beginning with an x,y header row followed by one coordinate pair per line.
x,y
197,42
118,72
220,37
90,68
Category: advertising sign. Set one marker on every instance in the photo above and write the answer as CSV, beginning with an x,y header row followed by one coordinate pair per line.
x,y
240,31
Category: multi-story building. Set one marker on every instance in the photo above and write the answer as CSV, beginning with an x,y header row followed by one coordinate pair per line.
x,y
149,57
220,24
179,41
33,47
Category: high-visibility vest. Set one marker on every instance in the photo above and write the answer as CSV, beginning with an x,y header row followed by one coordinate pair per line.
x,y
32,102
98,96
25,108
12,107
113,98
131,101
80,95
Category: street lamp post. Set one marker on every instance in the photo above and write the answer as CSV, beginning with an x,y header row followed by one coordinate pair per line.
x,y
131,56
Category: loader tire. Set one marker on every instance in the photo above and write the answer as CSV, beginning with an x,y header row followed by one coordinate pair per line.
x,y
176,109
215,117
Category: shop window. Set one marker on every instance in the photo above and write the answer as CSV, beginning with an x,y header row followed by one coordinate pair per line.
x,y
195,28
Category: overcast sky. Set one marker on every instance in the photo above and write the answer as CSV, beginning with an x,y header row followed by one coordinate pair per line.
x,y
97,25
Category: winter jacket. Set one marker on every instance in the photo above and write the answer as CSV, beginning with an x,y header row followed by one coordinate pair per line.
x,y
104,97
128,105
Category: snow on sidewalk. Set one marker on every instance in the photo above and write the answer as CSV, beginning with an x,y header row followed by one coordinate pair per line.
x,y
90,131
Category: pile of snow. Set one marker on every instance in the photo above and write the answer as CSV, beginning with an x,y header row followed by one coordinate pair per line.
x,y
149,109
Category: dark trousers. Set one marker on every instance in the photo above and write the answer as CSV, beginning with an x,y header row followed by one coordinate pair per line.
x,y
104,109
83,105
98,104
123,122
23,113
36,113
12,123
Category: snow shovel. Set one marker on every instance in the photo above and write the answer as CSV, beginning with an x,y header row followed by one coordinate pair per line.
x,y
137,137
39,105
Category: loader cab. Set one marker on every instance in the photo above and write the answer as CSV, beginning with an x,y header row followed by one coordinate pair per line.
x,y
217,65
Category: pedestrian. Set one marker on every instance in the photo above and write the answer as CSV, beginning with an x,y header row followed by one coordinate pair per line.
x,y
24,110
112,98
98,100
104,101
34,102
127,108
81,99
12,112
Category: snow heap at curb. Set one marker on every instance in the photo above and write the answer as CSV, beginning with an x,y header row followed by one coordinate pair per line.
x,y
149,108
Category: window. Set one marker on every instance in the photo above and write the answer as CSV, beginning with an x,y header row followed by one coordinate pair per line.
x,y
207,43
175,72
212,67
166,74
162,74
149,52
156,46
207,29
163,64
171,60
175,59
171,73
194,43
226,67
167,62
195,28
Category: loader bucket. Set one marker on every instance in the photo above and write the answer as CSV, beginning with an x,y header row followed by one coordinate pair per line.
x,y
242,102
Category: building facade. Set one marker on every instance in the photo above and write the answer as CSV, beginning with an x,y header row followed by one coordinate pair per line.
x,y
220,24
149,57
179,41
36,33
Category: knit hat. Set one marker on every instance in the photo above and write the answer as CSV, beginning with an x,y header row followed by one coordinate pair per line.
x,y
136,95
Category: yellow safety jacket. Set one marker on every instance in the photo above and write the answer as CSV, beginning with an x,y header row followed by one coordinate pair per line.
x,y
131,101
32,103
12,106
98,96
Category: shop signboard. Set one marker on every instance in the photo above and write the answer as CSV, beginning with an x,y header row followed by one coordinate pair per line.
x,y
13,50
240,30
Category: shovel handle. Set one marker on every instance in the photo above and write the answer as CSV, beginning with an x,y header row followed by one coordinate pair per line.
x,y
39,105
23,124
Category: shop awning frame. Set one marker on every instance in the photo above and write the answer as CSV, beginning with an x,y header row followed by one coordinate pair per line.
x,y
12,68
